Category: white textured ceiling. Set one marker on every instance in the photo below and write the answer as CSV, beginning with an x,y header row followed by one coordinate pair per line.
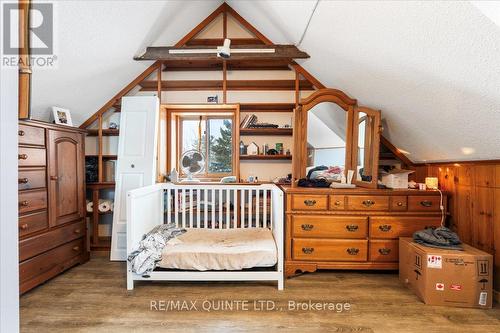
x,y
433,68
95,44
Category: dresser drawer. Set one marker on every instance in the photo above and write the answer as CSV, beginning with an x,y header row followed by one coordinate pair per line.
x,y
384,250
309,202
31,223
32,200
337,202
29,135
31,157
52,260
329,226
395,227
367,202
32,178
399,203
35,245
423,203
329,249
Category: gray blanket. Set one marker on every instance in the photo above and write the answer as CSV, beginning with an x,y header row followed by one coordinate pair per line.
x,y
145,258
441,237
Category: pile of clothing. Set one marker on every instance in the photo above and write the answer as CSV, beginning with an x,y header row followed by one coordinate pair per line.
x,y
442,238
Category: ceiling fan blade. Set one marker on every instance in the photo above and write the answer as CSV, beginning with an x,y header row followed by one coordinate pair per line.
x,y
253,51
192,51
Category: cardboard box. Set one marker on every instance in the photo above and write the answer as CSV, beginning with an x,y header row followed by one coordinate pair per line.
x,y
447,277
396,178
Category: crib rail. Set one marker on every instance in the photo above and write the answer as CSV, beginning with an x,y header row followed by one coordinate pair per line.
x,y
219,206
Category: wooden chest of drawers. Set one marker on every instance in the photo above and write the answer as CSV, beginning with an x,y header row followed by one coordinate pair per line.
x,y
354,228
52,232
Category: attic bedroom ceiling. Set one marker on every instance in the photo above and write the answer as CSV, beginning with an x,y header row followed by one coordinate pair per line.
x,y
433,68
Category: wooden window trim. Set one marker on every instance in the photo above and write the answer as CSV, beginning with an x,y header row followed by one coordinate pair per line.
x,y
170,111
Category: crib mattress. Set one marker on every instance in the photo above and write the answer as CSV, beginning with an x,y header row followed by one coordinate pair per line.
x,y
220,249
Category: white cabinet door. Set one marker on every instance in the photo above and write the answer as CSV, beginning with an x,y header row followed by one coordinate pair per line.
x,y
136,165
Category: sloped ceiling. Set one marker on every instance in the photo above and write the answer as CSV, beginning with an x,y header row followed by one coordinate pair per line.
x,y
433,68
95,44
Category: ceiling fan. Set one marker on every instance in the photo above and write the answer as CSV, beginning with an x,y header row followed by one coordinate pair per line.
x,y
223,51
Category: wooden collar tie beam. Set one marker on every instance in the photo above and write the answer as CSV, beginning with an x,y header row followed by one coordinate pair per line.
x,y
253,52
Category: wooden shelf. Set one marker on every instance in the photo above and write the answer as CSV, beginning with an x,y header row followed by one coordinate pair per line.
x,y
266,131
265,157
245,85
232,65
267,107
104,157
103,185
109,212
105,132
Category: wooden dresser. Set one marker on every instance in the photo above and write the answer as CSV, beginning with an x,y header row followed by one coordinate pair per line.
x,y
52,230
353,228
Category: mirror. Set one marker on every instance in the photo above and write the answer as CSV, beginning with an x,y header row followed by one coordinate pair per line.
x,y
327,131
366,147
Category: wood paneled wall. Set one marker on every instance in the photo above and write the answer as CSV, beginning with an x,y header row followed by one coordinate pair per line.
x,y
474,204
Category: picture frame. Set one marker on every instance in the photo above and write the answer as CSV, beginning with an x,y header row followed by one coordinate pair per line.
x,y
61,116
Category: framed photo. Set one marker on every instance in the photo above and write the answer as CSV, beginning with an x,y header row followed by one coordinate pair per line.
x,y
61,116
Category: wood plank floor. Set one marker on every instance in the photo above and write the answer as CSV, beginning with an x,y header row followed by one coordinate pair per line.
x,y
92,298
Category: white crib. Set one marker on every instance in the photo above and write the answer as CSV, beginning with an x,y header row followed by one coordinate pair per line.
x,y
214,206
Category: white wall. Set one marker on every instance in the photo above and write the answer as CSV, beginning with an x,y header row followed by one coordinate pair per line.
x,y
9,277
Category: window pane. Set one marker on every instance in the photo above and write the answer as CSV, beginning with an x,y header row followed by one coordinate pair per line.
x,y
220,146
190,135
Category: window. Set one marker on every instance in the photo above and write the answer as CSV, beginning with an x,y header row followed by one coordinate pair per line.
x,y
213,135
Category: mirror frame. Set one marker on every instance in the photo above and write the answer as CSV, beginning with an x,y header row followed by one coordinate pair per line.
x,y
375,145
300,127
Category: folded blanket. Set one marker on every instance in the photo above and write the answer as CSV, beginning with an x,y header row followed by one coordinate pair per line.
x,y
441,237
144,259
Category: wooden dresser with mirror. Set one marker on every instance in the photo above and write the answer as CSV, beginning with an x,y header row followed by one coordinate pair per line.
x,y
356,228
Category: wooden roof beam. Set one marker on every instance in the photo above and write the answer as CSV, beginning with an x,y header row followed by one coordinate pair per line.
x,y
281,52
241,85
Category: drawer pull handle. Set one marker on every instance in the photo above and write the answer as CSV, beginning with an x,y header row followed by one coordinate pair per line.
x,y
337,203
368,203
385,227
400,204
384,251
309,202
351,227
308,250
426,203
22,156
54,178
353,251
24,227
307,227
22,180
23,203
77,231
76,248
20,133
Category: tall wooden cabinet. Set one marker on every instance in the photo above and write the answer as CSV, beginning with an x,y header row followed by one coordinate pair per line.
x,y
52,230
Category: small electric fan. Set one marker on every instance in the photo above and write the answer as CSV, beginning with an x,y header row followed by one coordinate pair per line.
x,y
192,162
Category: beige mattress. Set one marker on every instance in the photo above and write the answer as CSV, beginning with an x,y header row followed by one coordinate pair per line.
x,y
220,249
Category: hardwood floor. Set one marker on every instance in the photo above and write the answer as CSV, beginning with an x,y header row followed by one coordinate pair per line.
x,y
92,298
